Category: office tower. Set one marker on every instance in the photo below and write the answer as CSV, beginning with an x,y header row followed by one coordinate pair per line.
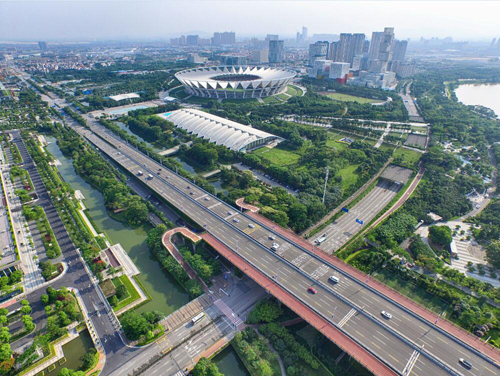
x,y
343,47
375,45
318,50
357,44
227,37
399,50
339,70
366,46
276,51
192,40
271,37
333,52
260,56
43,46
304,33
385,49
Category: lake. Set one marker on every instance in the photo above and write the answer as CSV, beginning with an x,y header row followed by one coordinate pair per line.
x,y
487,95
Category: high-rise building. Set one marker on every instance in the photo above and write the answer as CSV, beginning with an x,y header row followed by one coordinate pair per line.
x,y
227,37
344,46
399,50
494,40
271,37
192,40
385,49
304,33
276,51
375,44
43,46
260,56
348,46
339,70
333,52
318,50
358,43
366,46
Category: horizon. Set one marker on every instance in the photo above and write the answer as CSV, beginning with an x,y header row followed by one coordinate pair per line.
x,y
118,20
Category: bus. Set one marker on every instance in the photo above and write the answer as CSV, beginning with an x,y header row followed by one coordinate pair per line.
x,y
198,317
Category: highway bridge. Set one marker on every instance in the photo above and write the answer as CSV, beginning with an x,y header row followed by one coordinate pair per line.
x,y
403,345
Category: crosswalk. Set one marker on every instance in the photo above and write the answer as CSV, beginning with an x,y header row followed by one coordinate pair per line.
x,y
411,363
228,312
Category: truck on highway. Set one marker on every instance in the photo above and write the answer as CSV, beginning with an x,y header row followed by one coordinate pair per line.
x,y
139,173
150,176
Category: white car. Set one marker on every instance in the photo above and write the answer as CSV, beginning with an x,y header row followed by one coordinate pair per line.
x,y
334,279
386,315
275,246
251,225
272,237
207,198
236,220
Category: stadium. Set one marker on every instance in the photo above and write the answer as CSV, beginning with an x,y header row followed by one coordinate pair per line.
x,y
235,82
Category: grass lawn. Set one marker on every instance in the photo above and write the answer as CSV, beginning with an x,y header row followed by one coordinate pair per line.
x,y
407,157
271,100
351,98
277,156
240,101
348,176
412,291
179,93
133,295
283,97
293,90
386,146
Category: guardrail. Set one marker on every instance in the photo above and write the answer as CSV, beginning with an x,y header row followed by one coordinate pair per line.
x,y
351,277
436,360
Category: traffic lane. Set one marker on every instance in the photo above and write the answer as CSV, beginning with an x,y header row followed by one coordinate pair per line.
x,y
425,367
182,356
361,328
189,200
346,226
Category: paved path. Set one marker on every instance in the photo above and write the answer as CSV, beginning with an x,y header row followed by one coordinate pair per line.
x,y
167,243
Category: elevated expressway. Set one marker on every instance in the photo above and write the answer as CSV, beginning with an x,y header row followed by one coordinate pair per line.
x,y
406,344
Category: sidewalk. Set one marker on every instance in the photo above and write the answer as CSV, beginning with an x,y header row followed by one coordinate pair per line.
x,y
416,308
343,341
167,243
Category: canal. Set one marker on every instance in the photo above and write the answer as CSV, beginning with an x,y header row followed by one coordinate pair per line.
x,y
167,295
73,352
229,363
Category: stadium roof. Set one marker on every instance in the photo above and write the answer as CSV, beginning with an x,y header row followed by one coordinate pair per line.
x,y
220,131
121,97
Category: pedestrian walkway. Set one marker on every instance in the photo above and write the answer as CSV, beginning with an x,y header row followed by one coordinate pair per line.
x,y
167,243
228,312
385,290
186,312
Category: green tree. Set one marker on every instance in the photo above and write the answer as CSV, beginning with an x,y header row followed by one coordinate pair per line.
x,y
28,323
45,299
114,301
121,292
137,211
3,319
26,310
15,276
5,352
264,311
440,235
493,253
5,335
205,367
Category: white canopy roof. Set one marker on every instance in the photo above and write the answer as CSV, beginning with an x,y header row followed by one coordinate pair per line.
x,y
220,131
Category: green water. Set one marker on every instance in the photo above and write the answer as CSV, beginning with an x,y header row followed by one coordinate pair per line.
x,y
229,363
124,127
73,352
167,294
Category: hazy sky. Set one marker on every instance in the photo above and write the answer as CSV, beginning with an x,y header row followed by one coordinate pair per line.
x,y
117,19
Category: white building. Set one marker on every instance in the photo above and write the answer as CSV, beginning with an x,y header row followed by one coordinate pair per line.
x,y
339,70
260,56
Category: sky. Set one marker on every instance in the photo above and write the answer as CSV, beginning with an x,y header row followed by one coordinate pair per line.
x,y
79,20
